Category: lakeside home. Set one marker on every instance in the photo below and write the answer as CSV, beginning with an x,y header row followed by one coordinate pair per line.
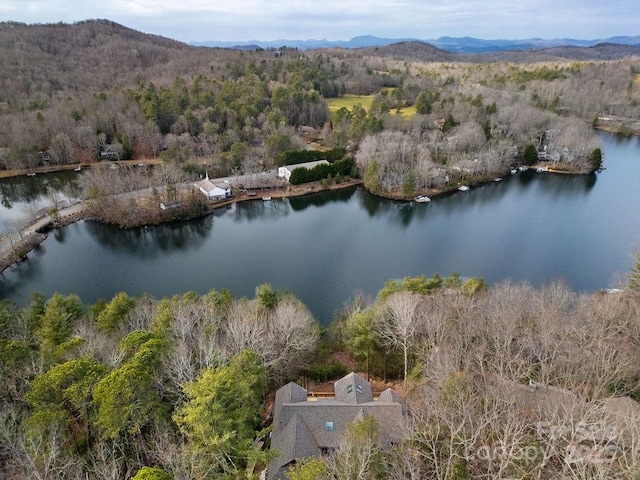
x,y
305,426
214,191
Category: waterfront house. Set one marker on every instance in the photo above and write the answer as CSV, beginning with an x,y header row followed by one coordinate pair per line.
x,y
306,427
214,191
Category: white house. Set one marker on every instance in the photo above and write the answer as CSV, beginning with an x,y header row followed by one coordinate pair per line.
x,y
285,172
214,191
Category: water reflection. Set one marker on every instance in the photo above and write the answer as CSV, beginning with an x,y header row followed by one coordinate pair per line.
x,y
319,199
23,197
26,271
560,185
14,190
152,242
59,234
371,204
28,189
259,209
399,213
406,212
526,177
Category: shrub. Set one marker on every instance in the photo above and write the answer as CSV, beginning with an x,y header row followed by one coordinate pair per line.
x,y
294,157
323,372
303,175
595,159
530,155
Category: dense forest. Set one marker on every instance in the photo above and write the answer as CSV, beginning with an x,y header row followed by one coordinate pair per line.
x,y
501,382
98,91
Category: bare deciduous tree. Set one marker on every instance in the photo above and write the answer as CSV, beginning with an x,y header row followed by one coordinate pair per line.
x,y
398,325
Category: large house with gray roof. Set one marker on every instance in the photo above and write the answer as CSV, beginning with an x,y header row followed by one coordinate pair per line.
x,y
306,427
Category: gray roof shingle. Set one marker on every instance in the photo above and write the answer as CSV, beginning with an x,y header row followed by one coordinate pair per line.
x,y
304,428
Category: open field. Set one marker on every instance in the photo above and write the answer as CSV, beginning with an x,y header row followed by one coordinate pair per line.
x,y
349,101
408,112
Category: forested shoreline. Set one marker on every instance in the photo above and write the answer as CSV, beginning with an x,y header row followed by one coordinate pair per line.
x,y
499,381
96,91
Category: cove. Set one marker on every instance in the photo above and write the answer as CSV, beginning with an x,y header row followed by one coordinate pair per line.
x,y
538,228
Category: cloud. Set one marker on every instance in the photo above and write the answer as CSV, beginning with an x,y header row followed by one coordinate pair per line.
x,y
193,20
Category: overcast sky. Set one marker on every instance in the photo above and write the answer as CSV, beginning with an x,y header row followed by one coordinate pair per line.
x,y
241,20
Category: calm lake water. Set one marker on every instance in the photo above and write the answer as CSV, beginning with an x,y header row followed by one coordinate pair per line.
x,y
23,197
529,227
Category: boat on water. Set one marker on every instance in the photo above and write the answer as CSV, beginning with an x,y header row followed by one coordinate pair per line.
x,y
464,188
497,179
77,169
514,171
266,198
522,169
32,174
422,199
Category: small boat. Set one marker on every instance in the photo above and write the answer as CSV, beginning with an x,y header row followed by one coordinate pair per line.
x,y
522,169
77,169
32,174
266,198
497,179
463,188
514,171
422,199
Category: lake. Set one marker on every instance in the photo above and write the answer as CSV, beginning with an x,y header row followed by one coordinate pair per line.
x,y
531,227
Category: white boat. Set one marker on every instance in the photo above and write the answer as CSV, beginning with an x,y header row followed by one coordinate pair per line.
x,y
32,174
497,179
266,198
422,199
463,188
514,171
522,169
77,169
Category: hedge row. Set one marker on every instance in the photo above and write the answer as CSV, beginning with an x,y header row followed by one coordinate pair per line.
x,y
344,167
294,157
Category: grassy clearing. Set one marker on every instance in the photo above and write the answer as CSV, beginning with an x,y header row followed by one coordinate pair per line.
x,y
349,101
408,112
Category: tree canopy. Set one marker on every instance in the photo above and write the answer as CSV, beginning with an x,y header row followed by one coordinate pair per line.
x,y
220,416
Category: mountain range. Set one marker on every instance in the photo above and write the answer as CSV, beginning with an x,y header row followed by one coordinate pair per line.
x,y
450,44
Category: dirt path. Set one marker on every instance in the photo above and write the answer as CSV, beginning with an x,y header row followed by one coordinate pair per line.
x,y
60,168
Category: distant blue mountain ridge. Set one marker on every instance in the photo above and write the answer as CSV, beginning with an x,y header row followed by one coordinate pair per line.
x,y
450,44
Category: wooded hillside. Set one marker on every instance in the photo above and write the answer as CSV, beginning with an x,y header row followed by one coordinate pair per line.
x,y
98,91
